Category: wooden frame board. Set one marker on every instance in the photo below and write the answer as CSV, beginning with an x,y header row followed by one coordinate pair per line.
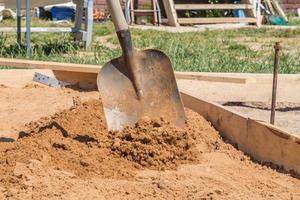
x,y
171,12
212,6
262,141
78,70
34,3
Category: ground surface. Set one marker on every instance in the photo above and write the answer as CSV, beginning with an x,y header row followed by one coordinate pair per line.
x,y
22,101
221,172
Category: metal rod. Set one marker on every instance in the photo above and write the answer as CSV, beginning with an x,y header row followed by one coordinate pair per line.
x,y
28,26
19,15
277,48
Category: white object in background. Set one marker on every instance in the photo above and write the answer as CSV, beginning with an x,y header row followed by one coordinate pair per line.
x,y
33,3
298,11
1,9
62,5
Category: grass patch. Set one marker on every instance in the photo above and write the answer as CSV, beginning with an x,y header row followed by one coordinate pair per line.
x,y
245,50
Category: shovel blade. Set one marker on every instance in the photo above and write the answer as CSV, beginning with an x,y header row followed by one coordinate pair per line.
x,y
161,97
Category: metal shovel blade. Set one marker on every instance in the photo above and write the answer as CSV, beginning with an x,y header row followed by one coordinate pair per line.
x,y
161,97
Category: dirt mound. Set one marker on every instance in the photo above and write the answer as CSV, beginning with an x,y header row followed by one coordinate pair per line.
x,y
71,155
154,144
77,140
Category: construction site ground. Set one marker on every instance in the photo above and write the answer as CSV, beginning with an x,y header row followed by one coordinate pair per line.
x,y
222,172
253,99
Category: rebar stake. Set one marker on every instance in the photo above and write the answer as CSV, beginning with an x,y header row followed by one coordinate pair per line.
x,y
277,48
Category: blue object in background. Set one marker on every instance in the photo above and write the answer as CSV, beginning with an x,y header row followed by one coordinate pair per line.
x,y
277,20
62,13
238,13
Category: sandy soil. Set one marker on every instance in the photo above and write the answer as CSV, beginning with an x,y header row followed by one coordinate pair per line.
x,y
72,156
20,105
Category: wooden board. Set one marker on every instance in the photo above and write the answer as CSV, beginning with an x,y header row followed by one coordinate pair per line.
x,y
279,10
37,30
212,78
32,64
34,3
94,69
271,9
264,142
212,6
216,20
170,12
272,144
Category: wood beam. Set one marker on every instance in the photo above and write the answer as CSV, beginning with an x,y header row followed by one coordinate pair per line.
x,y
33,64
215,20
171,12
78,69
212,6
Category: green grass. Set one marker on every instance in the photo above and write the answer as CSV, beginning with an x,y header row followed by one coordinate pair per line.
x,y
293,20
244,50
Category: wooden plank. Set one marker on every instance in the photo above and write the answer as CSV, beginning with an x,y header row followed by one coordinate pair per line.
x,y
279,9
146,11
220,118
32,64
264,142
216,20
212,6
272,144
268,2
211,78
83,68
34,3
37,29
170,12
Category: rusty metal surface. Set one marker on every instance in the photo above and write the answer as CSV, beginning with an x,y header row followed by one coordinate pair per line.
x,y
277,48
161,98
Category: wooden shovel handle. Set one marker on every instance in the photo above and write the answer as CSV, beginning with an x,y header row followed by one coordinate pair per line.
x,y
117,15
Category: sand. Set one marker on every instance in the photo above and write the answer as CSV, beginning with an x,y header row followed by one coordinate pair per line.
x,y
71,155
22,102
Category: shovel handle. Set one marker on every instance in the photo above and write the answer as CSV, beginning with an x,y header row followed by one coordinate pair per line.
x,y
121,26
117,15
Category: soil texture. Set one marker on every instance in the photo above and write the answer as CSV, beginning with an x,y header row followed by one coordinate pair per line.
x,y
71,155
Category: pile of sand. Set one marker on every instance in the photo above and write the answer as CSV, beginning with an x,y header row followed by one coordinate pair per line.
x,y
76,143
77,140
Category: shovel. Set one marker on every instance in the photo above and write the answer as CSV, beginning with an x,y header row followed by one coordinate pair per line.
x,y
139,84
